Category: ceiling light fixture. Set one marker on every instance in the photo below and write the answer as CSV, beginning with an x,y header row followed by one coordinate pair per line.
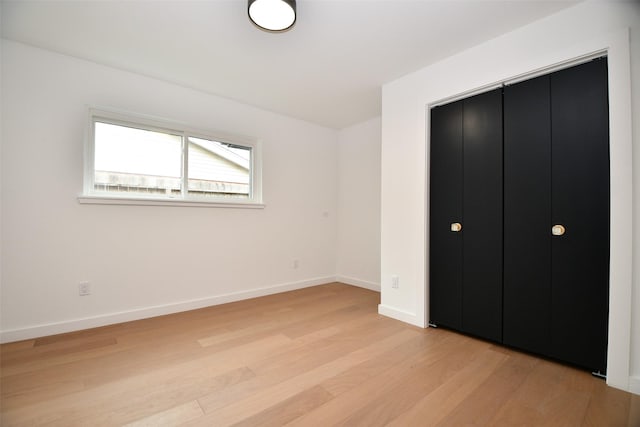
x,y
273,15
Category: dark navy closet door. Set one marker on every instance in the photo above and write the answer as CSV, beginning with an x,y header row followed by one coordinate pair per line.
x,y
466,190
580,203
445,207
527,215
482,214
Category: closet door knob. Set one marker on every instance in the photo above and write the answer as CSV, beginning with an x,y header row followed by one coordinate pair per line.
x,y
456,227
558,230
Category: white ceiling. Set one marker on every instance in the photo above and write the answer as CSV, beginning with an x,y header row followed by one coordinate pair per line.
x,y
328,69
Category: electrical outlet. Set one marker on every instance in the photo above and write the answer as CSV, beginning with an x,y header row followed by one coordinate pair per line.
x,y
84,289
395,282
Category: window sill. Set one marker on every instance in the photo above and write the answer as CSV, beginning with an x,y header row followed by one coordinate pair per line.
x,y
144,201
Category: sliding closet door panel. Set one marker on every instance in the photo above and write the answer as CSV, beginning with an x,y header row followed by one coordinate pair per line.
x,y
445,250
482,211
527,215
580,200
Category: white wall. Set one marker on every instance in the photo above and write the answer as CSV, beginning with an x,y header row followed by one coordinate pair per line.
x,y
145,260
358,252
583,29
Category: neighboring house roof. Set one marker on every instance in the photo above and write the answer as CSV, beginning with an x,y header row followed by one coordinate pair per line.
x,y
220,149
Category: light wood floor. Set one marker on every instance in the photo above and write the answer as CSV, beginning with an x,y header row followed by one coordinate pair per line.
x,y
320,356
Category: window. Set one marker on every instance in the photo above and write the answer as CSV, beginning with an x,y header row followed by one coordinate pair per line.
x,y
146,161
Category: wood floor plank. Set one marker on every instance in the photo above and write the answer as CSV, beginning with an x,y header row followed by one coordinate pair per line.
x,y
408,353
171,417
56,350
608,405
289,409
319,356
271,396
125,389
278,368
395,389
633,418
352,335
138,357
452,392
485,402
552,394
160,398
180,326
12,347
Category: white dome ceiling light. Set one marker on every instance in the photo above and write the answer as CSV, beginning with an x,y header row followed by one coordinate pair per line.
x,y
273,15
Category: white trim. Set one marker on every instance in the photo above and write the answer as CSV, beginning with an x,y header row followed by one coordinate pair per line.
x,y
521,77
621,210
465,94
634,385
403,316
144,201
359,283
164,124
600,53
159,310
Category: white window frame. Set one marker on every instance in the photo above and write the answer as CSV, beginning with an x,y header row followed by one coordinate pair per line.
x,y
92,196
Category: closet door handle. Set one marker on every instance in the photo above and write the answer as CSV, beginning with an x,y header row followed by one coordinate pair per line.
x,y
558,230
456,227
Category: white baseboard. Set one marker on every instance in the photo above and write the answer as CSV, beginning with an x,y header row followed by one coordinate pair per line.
x,y
401,315
634,385
159,310
359,283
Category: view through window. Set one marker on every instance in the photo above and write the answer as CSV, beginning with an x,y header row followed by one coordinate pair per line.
x,y
134,159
